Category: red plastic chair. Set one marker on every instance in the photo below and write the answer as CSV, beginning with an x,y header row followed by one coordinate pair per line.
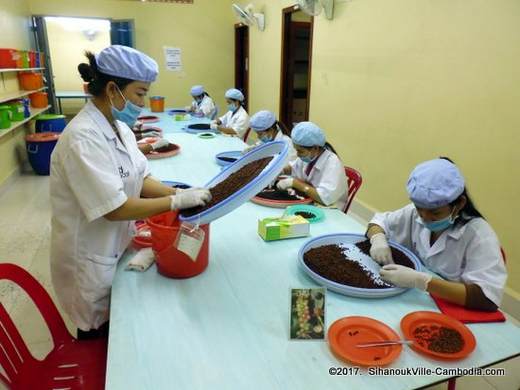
x,y
354,181
72,364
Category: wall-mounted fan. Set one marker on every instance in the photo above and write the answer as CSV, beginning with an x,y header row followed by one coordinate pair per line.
x,y
249,17
314,7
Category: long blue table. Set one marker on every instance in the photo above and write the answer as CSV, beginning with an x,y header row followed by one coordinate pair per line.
x,y
228,328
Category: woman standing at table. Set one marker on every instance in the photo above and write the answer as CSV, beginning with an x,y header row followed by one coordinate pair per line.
x,y
100,183
317,172
236,120
202,104
268,129
450,236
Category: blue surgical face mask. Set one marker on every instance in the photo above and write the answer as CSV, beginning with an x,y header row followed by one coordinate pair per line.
x,y
440,225
128,114
306,159
231,107
265,138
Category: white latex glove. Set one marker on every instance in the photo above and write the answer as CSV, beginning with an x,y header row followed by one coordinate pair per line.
x,y
187,108
285,183
190,197
137,126
160,143
152,133
402,276
142,260
213,126
380,250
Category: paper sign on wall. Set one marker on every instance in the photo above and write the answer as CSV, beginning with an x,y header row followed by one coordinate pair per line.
x,y
172,55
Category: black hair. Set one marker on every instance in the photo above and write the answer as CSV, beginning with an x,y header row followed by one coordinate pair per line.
x,y
97,80
469,211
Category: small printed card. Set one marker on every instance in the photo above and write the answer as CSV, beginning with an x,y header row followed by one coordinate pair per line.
x,y
190,240
307,314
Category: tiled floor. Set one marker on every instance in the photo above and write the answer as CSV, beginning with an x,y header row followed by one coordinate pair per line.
x,y
25,227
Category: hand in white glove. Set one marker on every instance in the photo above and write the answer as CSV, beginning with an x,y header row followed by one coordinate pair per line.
x,y
379,249
284,184
191,197
213,126
402,276
188,108
137,126
160,143
152,133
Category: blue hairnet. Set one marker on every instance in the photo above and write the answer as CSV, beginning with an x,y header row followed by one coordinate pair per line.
x,y
435,183
127,63
308,134
262,120
235,94
197,90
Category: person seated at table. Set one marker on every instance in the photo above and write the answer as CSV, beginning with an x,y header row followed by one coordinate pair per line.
x,y
100,183
236,120
445,230
268,129
202,104
317,172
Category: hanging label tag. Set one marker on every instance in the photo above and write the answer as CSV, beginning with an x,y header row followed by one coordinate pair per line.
x,y
190,240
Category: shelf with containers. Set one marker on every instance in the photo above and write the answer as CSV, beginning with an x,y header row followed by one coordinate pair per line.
x,y
14,105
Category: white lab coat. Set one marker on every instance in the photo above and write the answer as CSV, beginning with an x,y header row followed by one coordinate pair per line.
x,y
239,121
206,107
92,173
327,176
469,253
293,155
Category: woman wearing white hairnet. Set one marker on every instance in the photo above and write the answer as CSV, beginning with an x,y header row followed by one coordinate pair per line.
x,y
236,120
317,172
450,236
202,104
100,183
268,129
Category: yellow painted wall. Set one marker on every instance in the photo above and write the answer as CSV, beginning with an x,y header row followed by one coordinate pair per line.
x,y
67,51
398,82
14,34
203,30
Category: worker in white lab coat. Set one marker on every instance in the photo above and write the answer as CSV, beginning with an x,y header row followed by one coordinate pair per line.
x,y
268,129
100,183
236,120
202,104
450,236
317,172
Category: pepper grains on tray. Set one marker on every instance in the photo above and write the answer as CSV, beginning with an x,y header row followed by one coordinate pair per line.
x,y
439,338
230,185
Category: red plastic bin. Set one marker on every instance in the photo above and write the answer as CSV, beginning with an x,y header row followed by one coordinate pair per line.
x,y
171,262
8,58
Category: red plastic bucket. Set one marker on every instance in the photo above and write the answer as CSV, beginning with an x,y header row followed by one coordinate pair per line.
x,y
171,262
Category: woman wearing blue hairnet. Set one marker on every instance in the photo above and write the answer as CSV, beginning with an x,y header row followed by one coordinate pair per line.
x,y
317,172
236,120
268,129
100,183
450,236
202,104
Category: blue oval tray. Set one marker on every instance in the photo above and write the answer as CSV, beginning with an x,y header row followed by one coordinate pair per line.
x,y
177,184
236,154
279,150
349,239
